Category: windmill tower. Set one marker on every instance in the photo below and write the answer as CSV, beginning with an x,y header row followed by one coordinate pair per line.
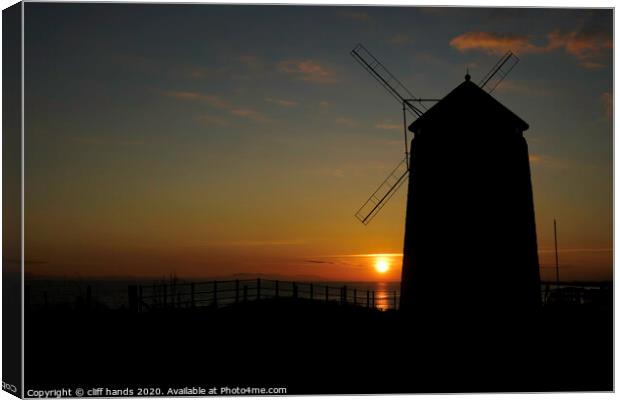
x,y
470,235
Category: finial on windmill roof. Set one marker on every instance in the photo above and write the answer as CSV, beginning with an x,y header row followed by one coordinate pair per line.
x,y
467,76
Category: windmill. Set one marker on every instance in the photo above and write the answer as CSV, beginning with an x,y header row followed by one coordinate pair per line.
x,y
415,107
470,235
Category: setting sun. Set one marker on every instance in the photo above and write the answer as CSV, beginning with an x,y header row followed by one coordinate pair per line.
x,y
382,265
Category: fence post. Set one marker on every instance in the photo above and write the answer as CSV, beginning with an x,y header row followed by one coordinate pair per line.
x,y
257,288
236,290
311,291
139,298
294,290
215,293
344,294
27,303
133,298
165,289
395,302
326,293
373,299
245,293
45,299
192,294
354,297
89,297
277,289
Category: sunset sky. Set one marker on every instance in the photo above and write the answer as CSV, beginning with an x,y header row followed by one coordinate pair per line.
x,y
213,140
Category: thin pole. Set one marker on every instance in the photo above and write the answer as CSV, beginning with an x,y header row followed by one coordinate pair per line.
x,y
557,263
405,132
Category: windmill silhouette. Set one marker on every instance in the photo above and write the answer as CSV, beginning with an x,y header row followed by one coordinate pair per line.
x,y
470,234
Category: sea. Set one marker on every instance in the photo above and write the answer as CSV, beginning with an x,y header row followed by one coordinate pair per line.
x,y
114,293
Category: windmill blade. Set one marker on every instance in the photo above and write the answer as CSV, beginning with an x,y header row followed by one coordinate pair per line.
x,y
393,86
500,70
383,194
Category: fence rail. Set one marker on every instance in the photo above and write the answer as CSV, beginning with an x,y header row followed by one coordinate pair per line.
x,y
222,293
175,294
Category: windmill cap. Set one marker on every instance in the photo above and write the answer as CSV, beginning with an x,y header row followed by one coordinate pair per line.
x,y
469,101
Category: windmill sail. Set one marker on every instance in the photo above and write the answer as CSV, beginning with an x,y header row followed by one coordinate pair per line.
x,y
383,194
386,79
499,71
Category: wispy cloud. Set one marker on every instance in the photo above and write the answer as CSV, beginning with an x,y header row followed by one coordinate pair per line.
x,y
308,70
359,16
281,102
212,100
213,120
346,121
522,87
494,43
543,160
400,39
249,114
388,126
587,46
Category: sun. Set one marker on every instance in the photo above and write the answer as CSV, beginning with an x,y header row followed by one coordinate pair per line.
x,y
382,265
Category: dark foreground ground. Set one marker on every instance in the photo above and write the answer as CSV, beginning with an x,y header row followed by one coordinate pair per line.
x,y
321,348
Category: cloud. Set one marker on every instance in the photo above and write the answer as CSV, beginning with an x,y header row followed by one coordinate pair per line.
x,y
587,46
281,102
400,39
388,125
213,120
214,101
348,122
494,43
521,87
249,114
359,16
608,104
218,103
308,70
542,160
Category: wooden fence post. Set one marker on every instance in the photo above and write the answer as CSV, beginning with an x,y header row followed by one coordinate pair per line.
x,y
311,291
344,294
257,288
326,293
245,293
165,289
140,298
215,293
367,299
192,295
354,297
373,299
294,290
395,301
277,289
45,299
132,292
236,290
27,303
89,297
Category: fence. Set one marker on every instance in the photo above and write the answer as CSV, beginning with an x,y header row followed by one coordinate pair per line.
x,y
221,293
90,295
